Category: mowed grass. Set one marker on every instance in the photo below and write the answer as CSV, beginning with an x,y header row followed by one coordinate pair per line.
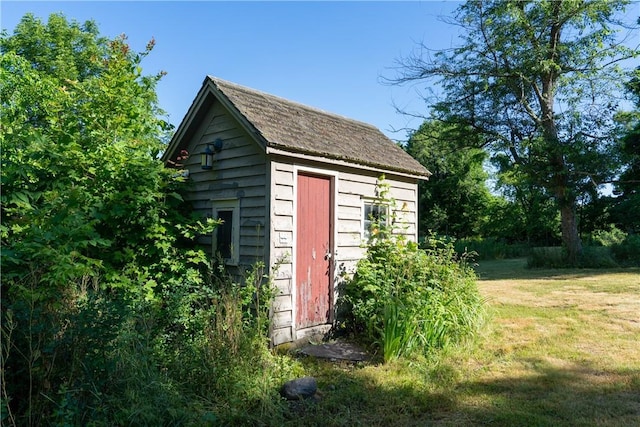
x,y
560,348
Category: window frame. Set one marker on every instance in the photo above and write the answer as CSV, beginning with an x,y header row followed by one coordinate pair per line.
x,y
226,205
365,231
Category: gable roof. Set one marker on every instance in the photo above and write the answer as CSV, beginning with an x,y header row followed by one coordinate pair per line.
x,y
292,127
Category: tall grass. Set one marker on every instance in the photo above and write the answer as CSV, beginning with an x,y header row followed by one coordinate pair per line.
x,y
603,249
404,300
196,356
398,331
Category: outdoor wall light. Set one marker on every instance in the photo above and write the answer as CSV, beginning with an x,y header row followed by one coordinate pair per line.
x,y
206,157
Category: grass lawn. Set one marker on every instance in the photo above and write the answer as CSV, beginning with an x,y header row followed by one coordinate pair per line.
x,y
561,348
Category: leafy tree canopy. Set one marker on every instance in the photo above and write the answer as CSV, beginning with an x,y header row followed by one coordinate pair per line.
x,y
628,188
84,195
455,199
537,82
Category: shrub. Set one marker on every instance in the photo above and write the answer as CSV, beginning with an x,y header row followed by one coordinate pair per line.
x,y
608,238
556,257
627,252
596,257
403,299
490,248
107,313
195,351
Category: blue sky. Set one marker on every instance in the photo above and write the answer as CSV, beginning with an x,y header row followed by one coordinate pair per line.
x,y
330,55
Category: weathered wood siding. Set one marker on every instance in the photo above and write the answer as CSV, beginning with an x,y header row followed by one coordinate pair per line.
x,y
281,231
266,190
239,172
352,187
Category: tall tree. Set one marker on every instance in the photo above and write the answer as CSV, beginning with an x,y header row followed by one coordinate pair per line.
x,y
527,213
628,188
538,81
454,201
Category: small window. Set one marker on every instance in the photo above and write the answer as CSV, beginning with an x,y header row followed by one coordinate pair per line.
x,y
226,237
375,216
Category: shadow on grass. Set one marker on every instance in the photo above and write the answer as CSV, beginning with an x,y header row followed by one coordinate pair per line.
x,y
552,396
516,268
351,395
556,396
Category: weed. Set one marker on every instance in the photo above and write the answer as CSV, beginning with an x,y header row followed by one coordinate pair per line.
x,y
404,299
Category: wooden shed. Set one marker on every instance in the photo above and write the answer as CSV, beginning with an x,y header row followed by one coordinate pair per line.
x,y
290,182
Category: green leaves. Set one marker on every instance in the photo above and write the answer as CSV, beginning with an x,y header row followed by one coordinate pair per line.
x,y
403,298
83,192
454,201
99,264
538,83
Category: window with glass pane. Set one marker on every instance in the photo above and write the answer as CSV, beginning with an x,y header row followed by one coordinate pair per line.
x,y
226,237
375,215
224,234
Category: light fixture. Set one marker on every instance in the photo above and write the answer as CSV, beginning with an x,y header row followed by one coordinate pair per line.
x,y
206,158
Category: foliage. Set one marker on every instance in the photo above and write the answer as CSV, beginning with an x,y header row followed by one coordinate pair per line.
x,y
403,299
611,237
627,252
220,351
454,201
202,349
535,82
606,248
84,196
627,187
556,257
490,248
526,212
93,228
111,314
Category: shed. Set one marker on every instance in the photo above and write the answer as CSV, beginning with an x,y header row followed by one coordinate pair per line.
x,y
291,183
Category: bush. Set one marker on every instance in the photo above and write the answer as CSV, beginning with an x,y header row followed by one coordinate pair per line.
x,y
107,313
556,257
404,299
490,248
608,238
198,351
627,252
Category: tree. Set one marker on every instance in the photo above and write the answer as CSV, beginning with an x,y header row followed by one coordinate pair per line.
x,y
455,199
537,81
628,188
92,226
525,213
82,187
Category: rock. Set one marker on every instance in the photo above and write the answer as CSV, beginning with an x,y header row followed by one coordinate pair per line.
x,y
300,388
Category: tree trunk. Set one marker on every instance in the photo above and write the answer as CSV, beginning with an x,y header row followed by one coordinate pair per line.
x,y
568,220
570,236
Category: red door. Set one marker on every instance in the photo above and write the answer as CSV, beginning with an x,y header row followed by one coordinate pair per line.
x,y
313,253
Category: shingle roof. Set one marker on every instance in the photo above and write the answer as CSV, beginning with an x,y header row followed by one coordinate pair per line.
x,y
294,127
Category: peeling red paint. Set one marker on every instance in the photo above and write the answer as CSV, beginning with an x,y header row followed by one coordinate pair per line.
x,y
313,274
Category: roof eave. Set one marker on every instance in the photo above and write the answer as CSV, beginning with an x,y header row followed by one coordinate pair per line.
x,y
323,157
204,99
